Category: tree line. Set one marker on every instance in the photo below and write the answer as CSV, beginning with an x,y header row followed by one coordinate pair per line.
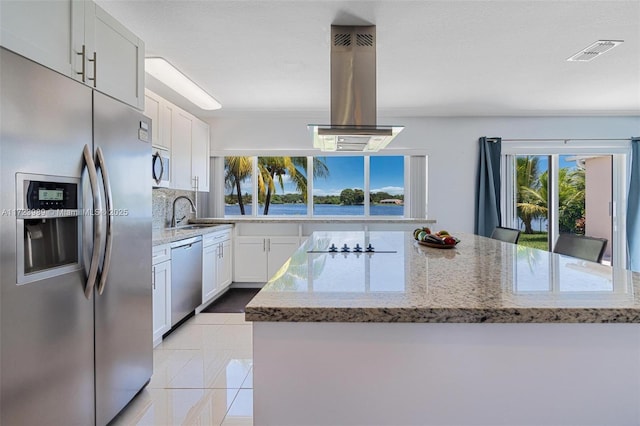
x,y
347,197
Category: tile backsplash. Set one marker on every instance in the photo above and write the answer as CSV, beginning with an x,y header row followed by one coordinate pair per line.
x,y
162,204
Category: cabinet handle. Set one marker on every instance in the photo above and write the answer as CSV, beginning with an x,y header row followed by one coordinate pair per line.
x,y
264,244
82,54
94,60
268,244
221,250
153,278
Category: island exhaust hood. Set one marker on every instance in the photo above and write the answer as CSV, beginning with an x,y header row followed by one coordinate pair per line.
x,y
353,125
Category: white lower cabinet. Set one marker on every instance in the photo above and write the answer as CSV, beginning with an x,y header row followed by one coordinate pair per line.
x,y
216,263
209,271
225,264
259,258
161,282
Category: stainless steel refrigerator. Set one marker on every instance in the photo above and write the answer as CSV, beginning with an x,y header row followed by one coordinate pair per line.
x,y
75,249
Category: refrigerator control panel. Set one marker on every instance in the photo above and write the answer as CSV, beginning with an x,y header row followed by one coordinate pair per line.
x,y
51,195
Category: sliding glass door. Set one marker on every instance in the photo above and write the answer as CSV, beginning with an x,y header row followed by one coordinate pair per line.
x,y
531,200
580,192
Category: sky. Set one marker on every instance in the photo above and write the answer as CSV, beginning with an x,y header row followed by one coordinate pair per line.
x,y
386,174
543,162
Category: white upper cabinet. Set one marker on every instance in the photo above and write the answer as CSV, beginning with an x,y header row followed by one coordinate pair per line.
x,y
153,110
80,40
42,31
181,133
115,57
186,140
200,155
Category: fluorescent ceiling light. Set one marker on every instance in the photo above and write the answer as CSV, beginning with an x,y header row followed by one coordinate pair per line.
x,y
594,50
169,75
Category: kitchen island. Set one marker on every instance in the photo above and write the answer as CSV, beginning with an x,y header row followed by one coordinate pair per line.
x,y
486,333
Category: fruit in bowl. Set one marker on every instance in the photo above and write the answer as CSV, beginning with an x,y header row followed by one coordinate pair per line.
x,y
439,238
416,231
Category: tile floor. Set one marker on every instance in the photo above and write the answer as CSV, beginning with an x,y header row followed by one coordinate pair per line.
x,y
202,375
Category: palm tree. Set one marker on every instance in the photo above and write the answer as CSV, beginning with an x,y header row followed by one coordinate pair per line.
x,y
571,196
272,169
237,169
531,199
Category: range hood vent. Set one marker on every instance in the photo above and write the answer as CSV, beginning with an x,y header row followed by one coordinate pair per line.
x,y
353,95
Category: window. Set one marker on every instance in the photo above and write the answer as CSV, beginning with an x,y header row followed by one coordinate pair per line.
x,y
553,188
238,184
340,191
341,186
282,185
386,186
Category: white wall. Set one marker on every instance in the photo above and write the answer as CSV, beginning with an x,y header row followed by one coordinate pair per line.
x,y
597,200
450,142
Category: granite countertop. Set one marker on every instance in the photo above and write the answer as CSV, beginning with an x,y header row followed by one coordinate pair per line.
x,y
305,219
169,235
480,280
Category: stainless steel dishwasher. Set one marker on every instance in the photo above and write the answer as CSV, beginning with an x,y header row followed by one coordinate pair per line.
x,y
186,277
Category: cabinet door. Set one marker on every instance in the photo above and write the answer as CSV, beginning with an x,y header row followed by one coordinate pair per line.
x,y
153,110
161,300
181,132
224,264
209,271
250,259
200,155
280,250
118,66
43,31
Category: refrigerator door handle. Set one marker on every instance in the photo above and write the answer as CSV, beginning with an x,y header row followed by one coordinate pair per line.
x,y
106,261
97,222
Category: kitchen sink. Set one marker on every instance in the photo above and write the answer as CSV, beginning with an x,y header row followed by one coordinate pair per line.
x,y
194,226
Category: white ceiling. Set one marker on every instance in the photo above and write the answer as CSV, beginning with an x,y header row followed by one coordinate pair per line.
x,y
435,58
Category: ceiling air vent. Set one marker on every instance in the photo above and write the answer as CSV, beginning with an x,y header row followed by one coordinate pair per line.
x,y
593,51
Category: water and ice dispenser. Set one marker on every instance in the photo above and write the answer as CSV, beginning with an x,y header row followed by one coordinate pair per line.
x,y
48,226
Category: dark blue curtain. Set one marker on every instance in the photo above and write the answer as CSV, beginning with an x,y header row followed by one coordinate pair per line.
x,y
633,208
488,187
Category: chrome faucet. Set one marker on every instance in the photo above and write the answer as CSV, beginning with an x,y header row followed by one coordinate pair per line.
x,y
173,210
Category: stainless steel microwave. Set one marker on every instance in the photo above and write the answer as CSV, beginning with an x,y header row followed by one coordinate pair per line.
x,y
160,169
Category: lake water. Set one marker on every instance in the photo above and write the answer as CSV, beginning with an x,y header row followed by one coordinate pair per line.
x,y
538,225
320,210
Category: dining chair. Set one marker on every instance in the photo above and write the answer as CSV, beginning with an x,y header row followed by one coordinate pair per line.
x,y
586,248
508,235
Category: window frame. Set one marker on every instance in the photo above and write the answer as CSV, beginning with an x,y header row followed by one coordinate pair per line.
x,y
419,186
620,151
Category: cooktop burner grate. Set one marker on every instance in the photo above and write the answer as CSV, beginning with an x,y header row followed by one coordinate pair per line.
x,y
356,249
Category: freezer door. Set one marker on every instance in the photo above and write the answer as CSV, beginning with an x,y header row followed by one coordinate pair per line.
x,y
123,316
46,325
